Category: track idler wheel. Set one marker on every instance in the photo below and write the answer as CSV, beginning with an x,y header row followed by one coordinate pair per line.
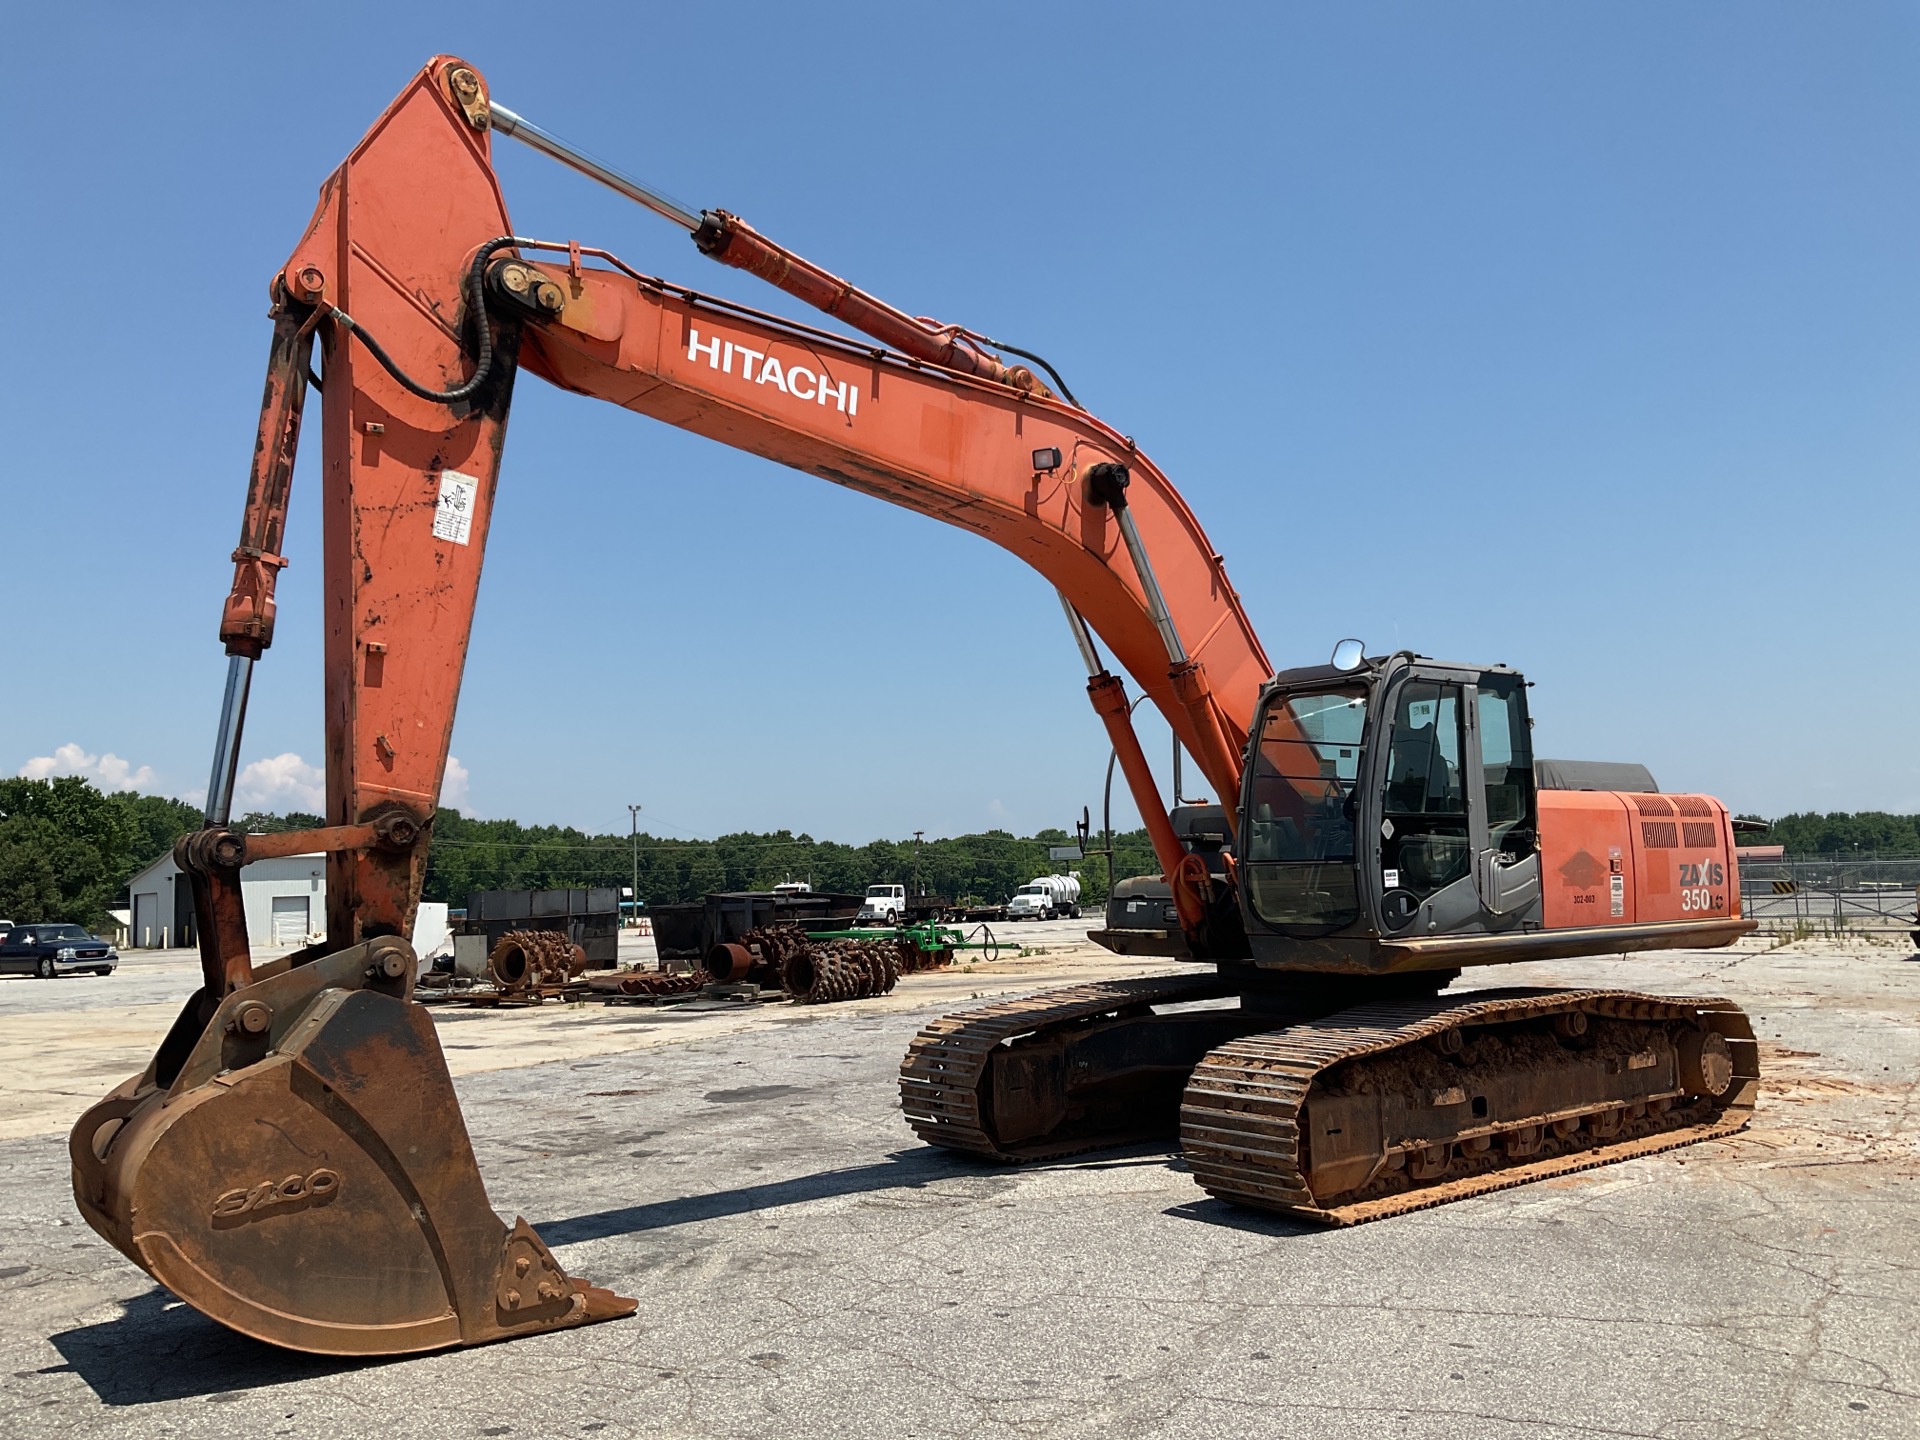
x,y
304,1175
1706,1062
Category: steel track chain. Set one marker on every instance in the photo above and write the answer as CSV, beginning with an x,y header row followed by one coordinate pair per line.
x,y
942,1075
1239,1115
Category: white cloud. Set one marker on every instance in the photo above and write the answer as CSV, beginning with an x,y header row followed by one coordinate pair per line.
x,y
286,782
453,789
107,771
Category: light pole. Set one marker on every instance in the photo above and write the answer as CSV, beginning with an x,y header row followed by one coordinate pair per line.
x,y
633,814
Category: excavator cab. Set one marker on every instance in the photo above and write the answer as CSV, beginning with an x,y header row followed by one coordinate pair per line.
x,y
1391,798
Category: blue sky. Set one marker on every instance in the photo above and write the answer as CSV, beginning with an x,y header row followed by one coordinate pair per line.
x,y
1580,338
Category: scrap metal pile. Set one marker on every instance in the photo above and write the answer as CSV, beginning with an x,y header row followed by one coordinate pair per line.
x,y
654,983
527,966
524,967
535,959
841,970
815,970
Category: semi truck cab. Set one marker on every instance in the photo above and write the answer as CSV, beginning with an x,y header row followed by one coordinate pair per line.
x,y
885,903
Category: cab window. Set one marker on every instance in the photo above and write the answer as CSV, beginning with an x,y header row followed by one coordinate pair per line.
x,y
1424,831
1423,764
1299,854
1506,760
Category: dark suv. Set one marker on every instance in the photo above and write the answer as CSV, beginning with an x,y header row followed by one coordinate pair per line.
x,y
50,950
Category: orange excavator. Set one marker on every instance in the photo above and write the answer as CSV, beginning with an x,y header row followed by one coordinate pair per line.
x,y
293,1161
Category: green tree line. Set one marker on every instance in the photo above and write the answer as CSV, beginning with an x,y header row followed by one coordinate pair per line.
x,y
67,852
471,855
1866,832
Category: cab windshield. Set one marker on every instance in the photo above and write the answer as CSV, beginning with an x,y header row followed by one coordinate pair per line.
x,y
1300,840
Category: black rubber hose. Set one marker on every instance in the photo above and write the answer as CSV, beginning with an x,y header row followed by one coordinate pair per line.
x,y
1052,373
476,308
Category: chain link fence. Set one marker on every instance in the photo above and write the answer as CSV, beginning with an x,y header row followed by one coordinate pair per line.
x,y
1854,894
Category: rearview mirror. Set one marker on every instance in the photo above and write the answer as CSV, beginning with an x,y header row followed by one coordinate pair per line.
x,y
1349,654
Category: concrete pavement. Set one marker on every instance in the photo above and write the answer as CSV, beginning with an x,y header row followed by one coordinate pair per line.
x,y
804,1266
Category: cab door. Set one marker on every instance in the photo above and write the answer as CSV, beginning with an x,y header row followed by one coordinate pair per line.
x,y
1502,816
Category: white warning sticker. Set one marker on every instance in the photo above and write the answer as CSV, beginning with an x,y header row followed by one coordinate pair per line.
x,y
1617,896
453,515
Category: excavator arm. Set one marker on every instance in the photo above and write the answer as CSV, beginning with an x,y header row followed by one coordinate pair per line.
x,y
302,1103
425,305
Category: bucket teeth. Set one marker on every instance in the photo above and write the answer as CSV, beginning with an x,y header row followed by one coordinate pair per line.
x,y
533,1292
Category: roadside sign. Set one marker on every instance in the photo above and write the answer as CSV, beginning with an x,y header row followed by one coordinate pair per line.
x,y
1064,852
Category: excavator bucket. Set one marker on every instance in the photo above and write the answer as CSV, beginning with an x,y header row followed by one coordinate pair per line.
x,y
296,1167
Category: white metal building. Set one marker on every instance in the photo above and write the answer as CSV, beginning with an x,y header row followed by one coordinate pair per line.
x,y
286,901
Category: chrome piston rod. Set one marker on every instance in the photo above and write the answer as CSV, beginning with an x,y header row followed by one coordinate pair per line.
x,y
1082,636
527,133
226,745
1156,602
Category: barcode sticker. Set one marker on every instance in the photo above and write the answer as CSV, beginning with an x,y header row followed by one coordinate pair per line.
x,y
453,514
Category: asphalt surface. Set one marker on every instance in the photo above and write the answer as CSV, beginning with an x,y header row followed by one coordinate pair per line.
x,y
804,1266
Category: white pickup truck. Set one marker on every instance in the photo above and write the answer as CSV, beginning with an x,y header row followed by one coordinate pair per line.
x,y
884,903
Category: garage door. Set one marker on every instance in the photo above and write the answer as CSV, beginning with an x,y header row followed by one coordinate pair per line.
x,y
289,919
146,921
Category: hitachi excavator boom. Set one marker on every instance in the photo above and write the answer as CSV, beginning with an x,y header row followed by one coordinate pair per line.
x,y
293,1161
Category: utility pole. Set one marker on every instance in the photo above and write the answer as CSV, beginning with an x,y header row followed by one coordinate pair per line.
x,y
917,890
633,814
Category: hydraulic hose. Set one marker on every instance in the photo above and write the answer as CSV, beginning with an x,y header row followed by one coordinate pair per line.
x,y
476,309
1052,374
